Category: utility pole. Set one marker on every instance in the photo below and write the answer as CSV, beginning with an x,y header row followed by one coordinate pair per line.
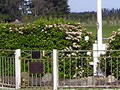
x,y
98,48
99,24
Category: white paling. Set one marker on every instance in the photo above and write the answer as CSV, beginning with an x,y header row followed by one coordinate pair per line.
x,y
98,46
18,68
55,70
99,22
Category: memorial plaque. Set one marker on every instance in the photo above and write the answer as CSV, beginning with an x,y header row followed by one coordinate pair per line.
x,y
35,54
36,67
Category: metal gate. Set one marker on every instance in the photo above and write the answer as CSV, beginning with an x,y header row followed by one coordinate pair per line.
x,y
26,69
75,70
36,69
7,69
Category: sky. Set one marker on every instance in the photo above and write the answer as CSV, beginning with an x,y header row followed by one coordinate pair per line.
x,y
90,5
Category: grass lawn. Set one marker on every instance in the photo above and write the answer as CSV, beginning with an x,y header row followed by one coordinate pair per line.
x,y
107,29
91,89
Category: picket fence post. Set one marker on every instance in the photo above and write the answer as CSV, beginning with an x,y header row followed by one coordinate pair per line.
x,y
55,70
17,68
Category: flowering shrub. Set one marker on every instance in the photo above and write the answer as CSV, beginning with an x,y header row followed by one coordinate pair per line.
x,y
47,35
113,61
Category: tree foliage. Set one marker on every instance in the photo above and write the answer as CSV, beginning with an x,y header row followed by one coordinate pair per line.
x,y
48,7
9,9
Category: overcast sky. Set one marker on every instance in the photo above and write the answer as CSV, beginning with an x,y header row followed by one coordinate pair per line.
x,y
90,5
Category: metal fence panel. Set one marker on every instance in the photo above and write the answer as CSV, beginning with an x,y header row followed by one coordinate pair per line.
x,y
76,69
36,69
7,69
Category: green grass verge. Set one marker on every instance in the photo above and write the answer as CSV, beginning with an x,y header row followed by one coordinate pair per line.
x,y
107,29
90,89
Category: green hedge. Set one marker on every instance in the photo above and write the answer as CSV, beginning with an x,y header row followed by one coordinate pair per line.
x,y
45,34
111,64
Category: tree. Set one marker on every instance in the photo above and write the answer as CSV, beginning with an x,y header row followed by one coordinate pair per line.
x,y
41,7
48,7
25,7
10,8
61,6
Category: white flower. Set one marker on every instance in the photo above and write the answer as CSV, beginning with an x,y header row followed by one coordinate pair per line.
x,y
119,33
89,33
91,63
68,38
16,29
79,37
76,67
20,32
119,29
42,30
21,28
4,27
86,38
70,47
68,55
74,75
60,28
75,45
73,54
82,71
67,48
50,26
89,53
10,28
55,25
